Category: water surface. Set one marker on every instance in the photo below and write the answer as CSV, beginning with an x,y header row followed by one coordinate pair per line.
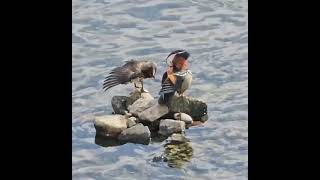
x,y
105,33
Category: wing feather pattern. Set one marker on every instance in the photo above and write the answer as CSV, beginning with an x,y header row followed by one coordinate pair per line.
x,y
119,75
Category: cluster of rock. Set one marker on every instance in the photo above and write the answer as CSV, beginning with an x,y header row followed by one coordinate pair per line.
x,y
139,116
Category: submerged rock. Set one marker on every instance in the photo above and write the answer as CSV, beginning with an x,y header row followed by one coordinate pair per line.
x,y
120,104
159,158
191,106
136,134
183,117
110,125
170,126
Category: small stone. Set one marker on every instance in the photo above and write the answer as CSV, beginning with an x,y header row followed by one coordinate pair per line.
x,y
136,134
170,126
183,117
110,125
131,121
153,113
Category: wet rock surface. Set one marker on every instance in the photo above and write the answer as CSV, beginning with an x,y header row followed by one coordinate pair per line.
x,y
191,106
140,105
110,125
170,126
136,134
120,104
153,113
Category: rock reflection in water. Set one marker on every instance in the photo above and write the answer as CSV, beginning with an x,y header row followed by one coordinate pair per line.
x,y
177,154
178,151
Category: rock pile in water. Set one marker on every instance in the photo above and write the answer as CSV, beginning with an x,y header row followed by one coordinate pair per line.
x,y
139,115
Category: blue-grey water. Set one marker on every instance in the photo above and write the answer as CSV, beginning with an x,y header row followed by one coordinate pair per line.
x,y
107,32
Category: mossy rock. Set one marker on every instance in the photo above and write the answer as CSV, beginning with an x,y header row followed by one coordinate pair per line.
x,y
196,108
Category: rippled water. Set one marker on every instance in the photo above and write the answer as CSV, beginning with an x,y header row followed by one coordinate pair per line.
x,y
105,33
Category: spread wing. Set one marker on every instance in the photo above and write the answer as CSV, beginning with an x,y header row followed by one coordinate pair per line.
x,y
119,75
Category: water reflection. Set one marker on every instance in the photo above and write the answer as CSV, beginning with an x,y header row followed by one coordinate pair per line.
x,y
178,154
177,150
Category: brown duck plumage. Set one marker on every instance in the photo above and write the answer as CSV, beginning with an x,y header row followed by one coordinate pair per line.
x,y
130,72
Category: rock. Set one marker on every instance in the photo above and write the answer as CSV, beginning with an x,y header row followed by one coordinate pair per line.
x,y
136,134
141,104
196,123
159,158
106,141
131,121
134,119
183,117
178,138
146,95
110,125
170,126
120,104
204,118
153,113
135,95
193,107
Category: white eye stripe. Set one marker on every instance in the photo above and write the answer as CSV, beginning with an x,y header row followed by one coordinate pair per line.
x,y
172,56
170,59
181,52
